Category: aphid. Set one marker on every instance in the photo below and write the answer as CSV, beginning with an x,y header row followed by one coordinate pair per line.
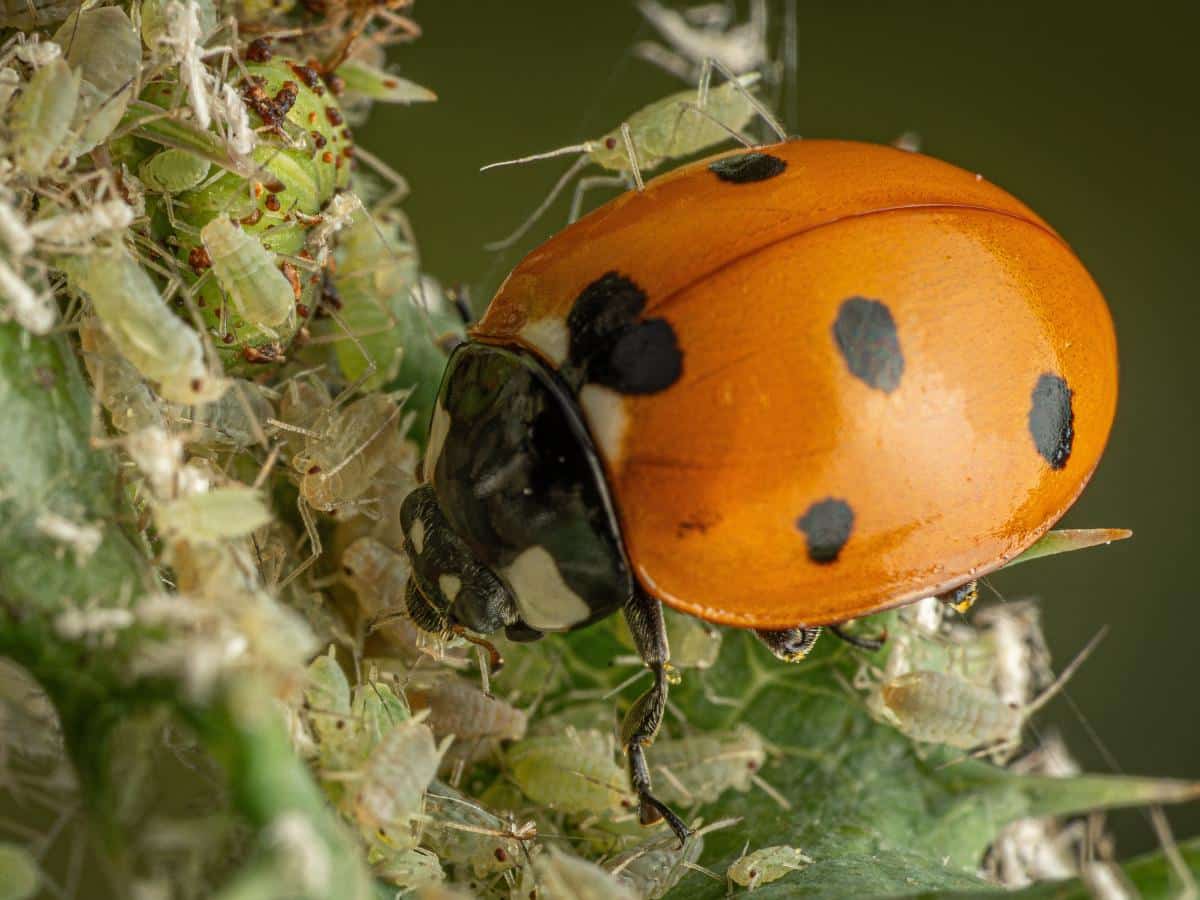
x,y
130,402
10,81
766,865
699,768
1020,659
214,515
327,709
676,126
41,117
740,47
943,708
172,171
575,772
35,52
303,403
411,868
236,419
102,46
376,709
388,800
148,334
558,875
247,271
181,35
340,463
463,832
31,309
82,537
458,707
653,868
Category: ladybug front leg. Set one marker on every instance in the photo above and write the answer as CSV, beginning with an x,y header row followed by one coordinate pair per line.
x,y
645,618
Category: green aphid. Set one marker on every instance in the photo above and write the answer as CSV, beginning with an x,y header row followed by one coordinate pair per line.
x,y
366,80
173,171
40,120
102,46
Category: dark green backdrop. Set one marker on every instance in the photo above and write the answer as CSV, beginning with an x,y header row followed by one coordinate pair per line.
x,y
1089,117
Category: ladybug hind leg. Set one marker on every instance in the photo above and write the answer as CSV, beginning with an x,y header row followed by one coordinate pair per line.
x,y
645,617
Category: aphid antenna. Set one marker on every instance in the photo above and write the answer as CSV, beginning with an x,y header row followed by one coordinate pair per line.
x,y
584,147
608,695
1057,685
575,168
771,791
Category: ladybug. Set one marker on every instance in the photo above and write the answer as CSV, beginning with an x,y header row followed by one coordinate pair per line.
x,y
775,389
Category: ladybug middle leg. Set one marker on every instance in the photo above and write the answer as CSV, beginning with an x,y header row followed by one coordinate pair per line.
x,y
791,645
645,617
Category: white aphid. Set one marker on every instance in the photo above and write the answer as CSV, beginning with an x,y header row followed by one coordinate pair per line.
x,y
305,856
229,109
260,292
214,515
74,624
79,229
82,537
14,230
35,52
32,310
741,48
181,37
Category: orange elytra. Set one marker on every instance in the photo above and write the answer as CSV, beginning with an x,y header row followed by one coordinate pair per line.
x,y
776,389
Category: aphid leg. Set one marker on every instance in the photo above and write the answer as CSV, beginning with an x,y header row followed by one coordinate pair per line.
x,y
870,644
314,542
962,598
765,114
575,168
644,615
635,168
790,645
586,184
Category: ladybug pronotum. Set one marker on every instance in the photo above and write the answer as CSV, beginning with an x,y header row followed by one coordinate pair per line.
x,y
776,389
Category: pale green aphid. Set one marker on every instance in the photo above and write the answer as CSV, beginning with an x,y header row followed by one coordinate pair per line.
x,y
376,709
155,340
215,515
699,768
575,772
368,81
678,125
766,865
172,171
260,293
41,117
411,869
20,875
102,45
463,832
132,405
327,710
557,875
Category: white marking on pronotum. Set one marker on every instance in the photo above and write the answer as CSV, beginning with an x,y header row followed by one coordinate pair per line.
x,y
604,410
450,585
438,429
416,534
548,335
543,598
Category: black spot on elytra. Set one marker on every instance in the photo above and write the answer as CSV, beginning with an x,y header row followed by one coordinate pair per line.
x,y
826,525
865,333
611,346
1052,419
746,168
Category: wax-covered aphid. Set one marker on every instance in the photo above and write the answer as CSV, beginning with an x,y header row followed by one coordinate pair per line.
x,y
463,832
339,465
248,273
32,309
40,119
176,28
766,865
676,126
387,800
102,45
944,708
173,170
557,875
700,767
694,37
458,707
78,230
1019,656
366,80
148,334
575,771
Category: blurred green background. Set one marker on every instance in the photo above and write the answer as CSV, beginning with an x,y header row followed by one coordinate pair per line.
x,y
1090,117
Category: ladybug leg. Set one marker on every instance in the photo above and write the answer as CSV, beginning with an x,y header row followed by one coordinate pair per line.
x,y
863,643
645,618
790,645
961,598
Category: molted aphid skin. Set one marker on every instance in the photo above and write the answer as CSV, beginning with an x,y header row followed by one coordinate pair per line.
x,y
766,865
